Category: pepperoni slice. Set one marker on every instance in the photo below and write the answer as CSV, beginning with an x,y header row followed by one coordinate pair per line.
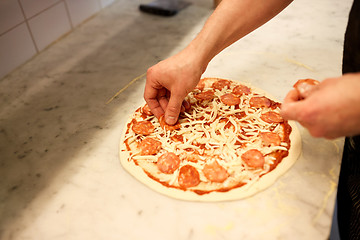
x,y
188,177
205,96
260,102
253,158
305,87
271,117
166,126
146,110
240,90
215,172
230,99
149,146
220,84
270,139
168,162
143,127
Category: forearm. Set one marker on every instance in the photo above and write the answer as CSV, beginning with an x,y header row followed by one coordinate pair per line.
x,y
232,20
179,74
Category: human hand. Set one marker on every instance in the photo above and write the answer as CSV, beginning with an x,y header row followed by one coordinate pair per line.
x,y
331,111
169,82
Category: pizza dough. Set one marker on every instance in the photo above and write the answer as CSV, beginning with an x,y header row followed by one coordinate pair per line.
x,y
151,161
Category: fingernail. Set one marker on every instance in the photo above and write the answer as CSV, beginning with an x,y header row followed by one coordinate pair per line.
x,y
170,120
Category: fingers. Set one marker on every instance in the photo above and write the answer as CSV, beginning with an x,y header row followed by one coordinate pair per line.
x,y
292,96
168,83
287,107
292,108
163,98
161,101
155,94
289,111
151,98
173,109
305,112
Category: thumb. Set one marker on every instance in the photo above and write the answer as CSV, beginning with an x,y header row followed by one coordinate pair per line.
x,y
287,111
173,109
293,110
289,105
292,96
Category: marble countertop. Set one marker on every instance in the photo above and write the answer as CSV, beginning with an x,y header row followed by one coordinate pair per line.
x,y
59,166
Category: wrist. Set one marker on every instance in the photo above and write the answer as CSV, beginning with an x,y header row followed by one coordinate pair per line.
x,y
198,55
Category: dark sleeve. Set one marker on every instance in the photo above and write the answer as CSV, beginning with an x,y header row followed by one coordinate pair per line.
x,y
351,56
348,196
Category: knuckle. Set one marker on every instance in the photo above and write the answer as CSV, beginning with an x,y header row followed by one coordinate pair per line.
x,y
308,115
149,71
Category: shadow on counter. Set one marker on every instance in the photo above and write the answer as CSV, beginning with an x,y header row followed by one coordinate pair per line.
x,y
52,107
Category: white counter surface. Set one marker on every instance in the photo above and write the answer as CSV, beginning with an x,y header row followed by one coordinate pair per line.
x,y
60,176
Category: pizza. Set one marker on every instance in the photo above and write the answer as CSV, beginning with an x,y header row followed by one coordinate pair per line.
x,y
230,142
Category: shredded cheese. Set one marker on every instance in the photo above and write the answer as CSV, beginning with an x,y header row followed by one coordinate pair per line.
x,y
215,131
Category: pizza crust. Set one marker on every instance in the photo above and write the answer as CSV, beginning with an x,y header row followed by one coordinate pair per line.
x,y
245,191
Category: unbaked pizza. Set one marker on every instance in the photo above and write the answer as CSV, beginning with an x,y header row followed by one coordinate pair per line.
x,y
229,143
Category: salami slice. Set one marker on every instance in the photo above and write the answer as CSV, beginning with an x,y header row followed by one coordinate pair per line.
x,y
220,84
143,127
230,99
168,162
305,87
205,96
215,172
166,126
188,177
149,146
146,110
253,158
260,102
272,117
270,139
241,89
